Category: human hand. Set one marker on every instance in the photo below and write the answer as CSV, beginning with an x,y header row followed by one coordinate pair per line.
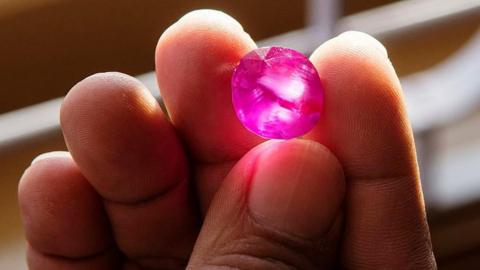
x,y
139,190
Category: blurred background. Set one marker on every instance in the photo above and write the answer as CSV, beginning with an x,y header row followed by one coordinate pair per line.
x,y
46,46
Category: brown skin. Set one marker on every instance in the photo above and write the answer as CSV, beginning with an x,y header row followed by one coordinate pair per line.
x,y
348,196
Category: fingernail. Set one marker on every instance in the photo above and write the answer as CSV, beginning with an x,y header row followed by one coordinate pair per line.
x,y
52,154
297,188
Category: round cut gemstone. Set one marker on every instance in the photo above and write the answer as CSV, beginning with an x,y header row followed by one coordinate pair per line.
x,y
277,93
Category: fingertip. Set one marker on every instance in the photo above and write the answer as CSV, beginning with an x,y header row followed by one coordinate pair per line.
x,y
59,209
363,40
297,187
100,90
45,161
358,56
120,138
282,200
363,100
49,155
208,25
358,62
206,19
352,44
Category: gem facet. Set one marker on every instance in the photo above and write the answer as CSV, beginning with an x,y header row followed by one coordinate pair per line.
x,y
277,93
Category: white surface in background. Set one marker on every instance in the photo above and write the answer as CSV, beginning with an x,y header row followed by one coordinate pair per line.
x,y
455,177
43,117
12,255
378,22
399,15
29,121
449,91
150,81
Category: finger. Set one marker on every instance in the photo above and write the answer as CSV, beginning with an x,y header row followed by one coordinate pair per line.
x,y
64,219
366,126
40,261
278,208
195,58
130,154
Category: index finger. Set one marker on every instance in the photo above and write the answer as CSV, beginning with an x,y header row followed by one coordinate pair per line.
x,y
365,125
195,58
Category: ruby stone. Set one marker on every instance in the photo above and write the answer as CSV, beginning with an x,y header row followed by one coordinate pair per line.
x,y
277,93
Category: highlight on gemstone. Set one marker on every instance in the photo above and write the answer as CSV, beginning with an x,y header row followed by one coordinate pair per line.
x,y
277,93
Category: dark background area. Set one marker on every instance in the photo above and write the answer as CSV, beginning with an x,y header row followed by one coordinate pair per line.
x,y
48,46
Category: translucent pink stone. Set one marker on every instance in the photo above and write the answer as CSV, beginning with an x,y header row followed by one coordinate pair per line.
x,y
277,93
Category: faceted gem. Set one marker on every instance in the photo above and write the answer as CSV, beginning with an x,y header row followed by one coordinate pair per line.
x,y
277,93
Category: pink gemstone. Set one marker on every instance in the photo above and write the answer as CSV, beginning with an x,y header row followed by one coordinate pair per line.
x,y
277,93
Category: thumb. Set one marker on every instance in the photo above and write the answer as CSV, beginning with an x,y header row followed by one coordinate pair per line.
x,y
278,208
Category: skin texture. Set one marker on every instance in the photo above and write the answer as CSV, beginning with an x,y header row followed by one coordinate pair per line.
x,y
196,190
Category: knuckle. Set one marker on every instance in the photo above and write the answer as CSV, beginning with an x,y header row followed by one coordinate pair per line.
x,y
256,246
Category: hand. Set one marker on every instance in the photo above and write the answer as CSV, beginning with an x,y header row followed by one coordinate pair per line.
x,y
139,190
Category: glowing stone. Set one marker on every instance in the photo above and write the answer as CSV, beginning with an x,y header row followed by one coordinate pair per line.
x,y
277,93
